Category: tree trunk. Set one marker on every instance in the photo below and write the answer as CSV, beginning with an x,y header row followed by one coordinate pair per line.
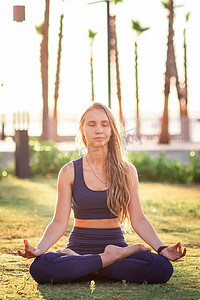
x,y
171,71
115,58
44,73
138,132
185,124
164,135
57,82
91,71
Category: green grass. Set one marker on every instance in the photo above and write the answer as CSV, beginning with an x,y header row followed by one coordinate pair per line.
x,y
26,207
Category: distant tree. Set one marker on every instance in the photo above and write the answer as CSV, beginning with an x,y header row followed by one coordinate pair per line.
x,y
185,120
91,35
114,55
185,53
137,27
57,81
172,73
44,31
114,58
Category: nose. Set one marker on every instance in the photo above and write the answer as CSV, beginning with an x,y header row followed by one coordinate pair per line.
x,y
98,129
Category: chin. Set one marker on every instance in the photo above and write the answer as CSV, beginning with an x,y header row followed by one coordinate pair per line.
x,y
99,143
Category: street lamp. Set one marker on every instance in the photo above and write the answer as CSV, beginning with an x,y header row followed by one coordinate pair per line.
x,y
19,13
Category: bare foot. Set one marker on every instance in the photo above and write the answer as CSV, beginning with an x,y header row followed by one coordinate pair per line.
x,y
114,253
68,251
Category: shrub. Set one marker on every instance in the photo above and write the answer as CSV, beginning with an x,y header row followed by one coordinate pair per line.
x,y
195,168
6,172
46,158
160,169
145,165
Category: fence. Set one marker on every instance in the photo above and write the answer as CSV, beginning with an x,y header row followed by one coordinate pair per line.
x,y
68,126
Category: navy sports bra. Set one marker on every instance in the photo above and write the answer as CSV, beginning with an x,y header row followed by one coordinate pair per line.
x,y
87,203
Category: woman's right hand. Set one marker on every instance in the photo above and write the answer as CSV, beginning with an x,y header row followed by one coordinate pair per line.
x,y
29,251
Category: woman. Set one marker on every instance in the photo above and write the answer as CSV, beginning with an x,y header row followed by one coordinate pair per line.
x,y
102,189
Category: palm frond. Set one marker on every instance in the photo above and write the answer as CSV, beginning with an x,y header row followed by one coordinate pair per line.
x,y
165,4
40,28
116,1
91,34
138,27
187,16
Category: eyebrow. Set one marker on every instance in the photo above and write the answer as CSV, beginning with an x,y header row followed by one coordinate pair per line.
x,y
93,121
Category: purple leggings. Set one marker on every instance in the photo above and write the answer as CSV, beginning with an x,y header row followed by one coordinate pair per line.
x,y
139,267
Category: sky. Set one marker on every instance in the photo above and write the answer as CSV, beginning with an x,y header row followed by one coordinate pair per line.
x,y
20,77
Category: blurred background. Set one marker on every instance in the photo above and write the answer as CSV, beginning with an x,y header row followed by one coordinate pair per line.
x,y
20,71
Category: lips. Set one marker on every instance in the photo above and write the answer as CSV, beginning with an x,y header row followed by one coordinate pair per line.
x,y
99,138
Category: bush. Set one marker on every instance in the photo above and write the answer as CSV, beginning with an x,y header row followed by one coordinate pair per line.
x,y
145,165
162,169
195,168
6,172
46,158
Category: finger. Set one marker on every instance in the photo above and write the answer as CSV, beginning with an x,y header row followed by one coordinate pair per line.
x,y
177,245
184,252
26,244
180,250
21,253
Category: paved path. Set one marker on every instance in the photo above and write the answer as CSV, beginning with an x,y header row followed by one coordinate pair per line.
x,y
174,150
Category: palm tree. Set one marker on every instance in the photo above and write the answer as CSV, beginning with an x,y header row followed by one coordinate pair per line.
x,y
91,35
137,27
185,120
112,29
114,57
185,53
172,73
57,82
44,31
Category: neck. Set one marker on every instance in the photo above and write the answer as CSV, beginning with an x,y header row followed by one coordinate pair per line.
x,y
97,156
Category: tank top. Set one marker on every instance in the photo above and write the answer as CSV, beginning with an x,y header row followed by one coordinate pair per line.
x,y
86,203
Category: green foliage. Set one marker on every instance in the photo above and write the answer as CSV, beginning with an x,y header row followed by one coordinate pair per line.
x,y
187,16
162,169
0,169
46,158
8,172
91,34
138,27
195,168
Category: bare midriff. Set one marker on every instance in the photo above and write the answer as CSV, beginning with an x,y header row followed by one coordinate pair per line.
x,y
97,223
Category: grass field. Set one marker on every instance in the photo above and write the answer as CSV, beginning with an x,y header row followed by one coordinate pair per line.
x,y
26,207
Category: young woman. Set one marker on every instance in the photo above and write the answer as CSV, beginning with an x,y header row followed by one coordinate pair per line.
x,y
102,189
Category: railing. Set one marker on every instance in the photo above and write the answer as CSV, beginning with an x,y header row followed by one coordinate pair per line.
x,y
68,126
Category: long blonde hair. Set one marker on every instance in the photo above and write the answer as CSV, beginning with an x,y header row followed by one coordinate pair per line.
x,y
116,166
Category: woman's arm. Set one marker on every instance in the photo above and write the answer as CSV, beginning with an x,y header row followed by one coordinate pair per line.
x,y
59,223
140,223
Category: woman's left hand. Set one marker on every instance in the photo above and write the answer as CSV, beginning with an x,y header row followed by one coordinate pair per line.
x,y
174,253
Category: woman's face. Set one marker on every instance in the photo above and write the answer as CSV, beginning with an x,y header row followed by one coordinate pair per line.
x,y
96,128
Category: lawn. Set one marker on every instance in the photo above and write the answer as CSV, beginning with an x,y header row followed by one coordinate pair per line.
x,y
26,207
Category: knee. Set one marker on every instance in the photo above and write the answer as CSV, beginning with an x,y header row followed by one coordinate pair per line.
x,y
165,269
39,270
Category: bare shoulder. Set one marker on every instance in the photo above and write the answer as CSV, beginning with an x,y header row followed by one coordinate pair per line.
x,y
132,174
66,173
132,169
